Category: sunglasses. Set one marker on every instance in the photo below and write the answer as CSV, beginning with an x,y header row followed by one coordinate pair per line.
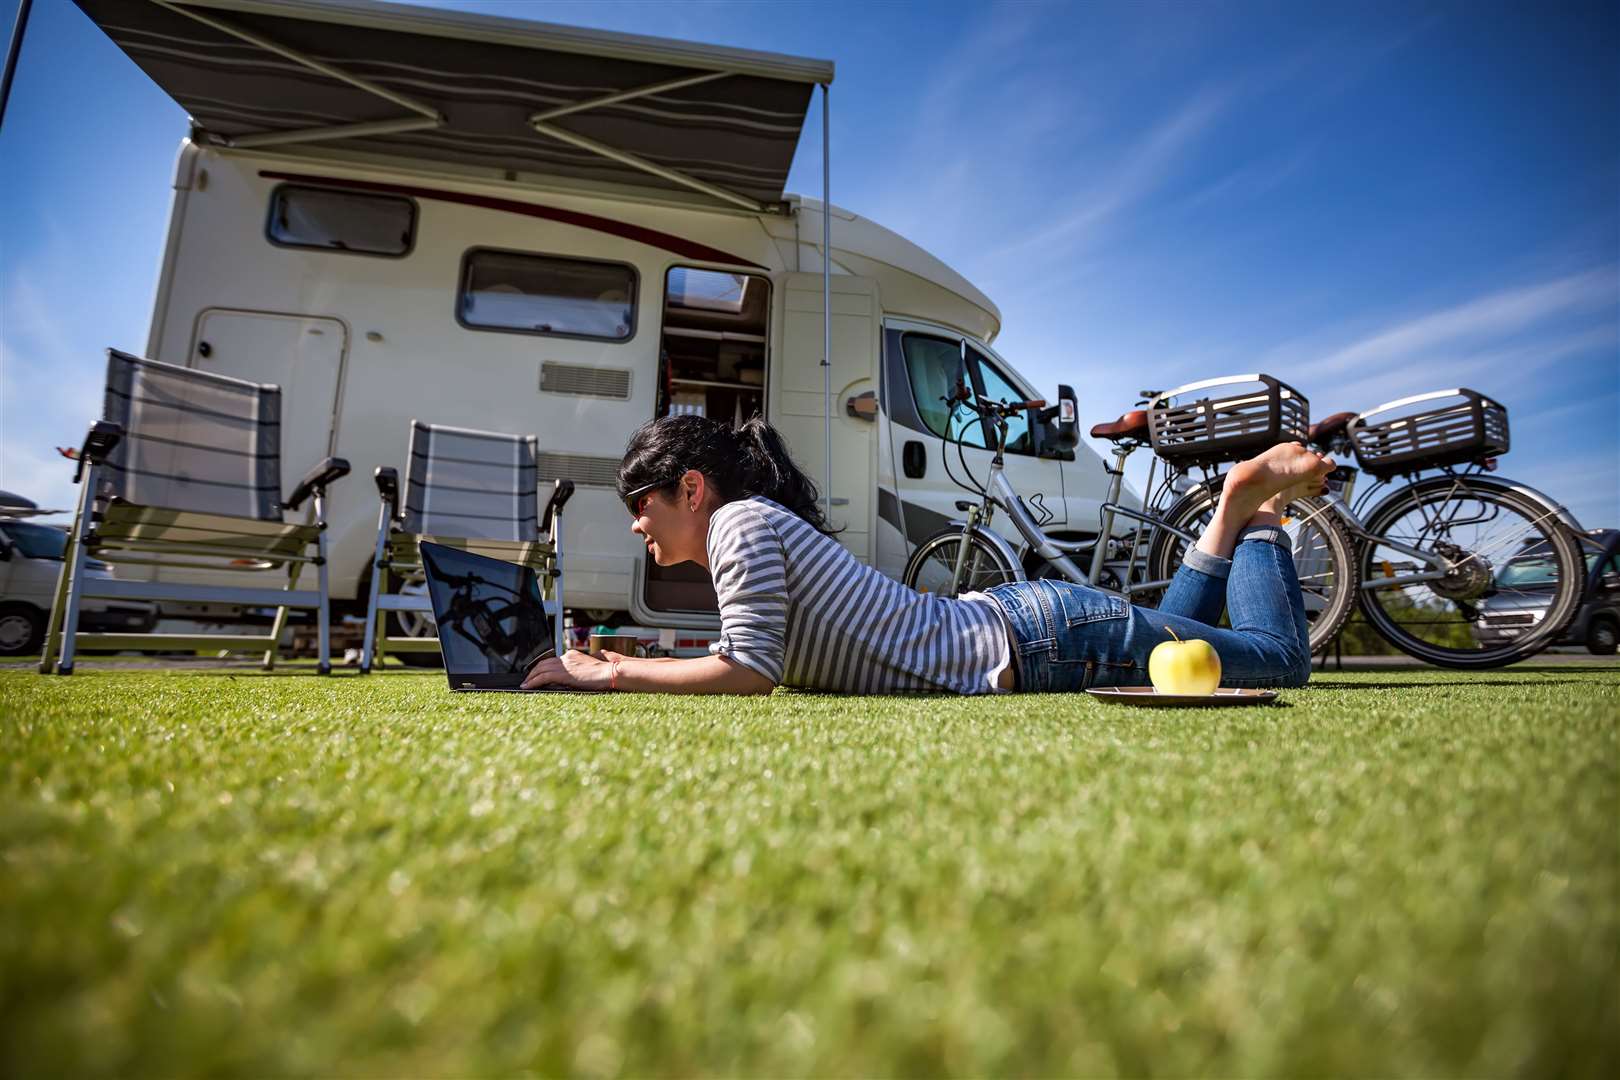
x,y
636,501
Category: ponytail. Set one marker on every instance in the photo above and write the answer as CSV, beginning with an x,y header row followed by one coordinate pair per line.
x,y
737,462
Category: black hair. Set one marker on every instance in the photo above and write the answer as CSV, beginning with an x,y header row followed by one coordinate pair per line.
x,y
736,461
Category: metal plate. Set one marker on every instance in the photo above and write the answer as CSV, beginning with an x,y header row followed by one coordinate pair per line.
x,y
1146,695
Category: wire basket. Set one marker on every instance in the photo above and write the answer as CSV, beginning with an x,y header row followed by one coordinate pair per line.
x,y
1428,431
1226,419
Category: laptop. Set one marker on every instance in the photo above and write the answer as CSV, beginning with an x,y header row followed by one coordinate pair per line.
x,y
493,626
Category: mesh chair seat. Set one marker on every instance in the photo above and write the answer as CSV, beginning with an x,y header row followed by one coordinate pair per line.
x,y
125,524
404,549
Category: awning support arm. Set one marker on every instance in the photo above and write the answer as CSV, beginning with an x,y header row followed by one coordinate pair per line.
x,y
426,115
627,95
646,166
342,131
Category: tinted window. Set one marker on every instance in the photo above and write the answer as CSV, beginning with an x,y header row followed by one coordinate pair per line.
x,y
37,541
934,366
544,294
351,221
997,388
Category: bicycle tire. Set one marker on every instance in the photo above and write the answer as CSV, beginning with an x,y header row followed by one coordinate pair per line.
x,y
1324,555
1550,543
986,565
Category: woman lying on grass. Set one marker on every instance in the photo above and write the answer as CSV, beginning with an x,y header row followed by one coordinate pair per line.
x,y
797,609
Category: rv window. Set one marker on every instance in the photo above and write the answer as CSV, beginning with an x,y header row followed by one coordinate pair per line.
x,y
348,221
713,290
544,294
935,367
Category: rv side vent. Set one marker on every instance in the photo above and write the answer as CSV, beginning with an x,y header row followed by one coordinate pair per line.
x,y
589,381
580,468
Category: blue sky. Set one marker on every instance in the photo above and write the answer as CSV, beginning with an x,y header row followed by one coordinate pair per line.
x,y
1366,200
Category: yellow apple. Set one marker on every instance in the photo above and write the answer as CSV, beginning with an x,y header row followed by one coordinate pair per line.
x,y
1184,667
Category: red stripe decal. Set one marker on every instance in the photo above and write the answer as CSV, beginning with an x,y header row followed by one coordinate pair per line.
x,y
652,237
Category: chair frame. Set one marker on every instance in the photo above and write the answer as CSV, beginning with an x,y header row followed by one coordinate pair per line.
x,y
398,553
115,525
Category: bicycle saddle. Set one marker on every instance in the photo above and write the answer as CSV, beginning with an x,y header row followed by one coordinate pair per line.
x,y
1133,425
1329,428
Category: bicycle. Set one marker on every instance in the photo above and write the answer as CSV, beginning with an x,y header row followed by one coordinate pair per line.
x,y
1456,568
967,555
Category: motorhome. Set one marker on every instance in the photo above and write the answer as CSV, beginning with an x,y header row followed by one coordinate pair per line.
x,y
396,212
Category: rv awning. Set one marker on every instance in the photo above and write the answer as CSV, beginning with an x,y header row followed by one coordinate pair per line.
x,y
475,90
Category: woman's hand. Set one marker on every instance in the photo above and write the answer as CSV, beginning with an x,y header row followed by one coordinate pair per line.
x,y
574,669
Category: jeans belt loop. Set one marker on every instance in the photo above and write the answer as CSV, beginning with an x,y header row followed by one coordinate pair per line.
x,y
1046,612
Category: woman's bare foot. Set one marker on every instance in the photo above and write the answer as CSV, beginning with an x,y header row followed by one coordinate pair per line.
x,y
1257,490
1285,472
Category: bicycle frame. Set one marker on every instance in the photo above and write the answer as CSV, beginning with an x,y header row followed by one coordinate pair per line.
x,y
999,492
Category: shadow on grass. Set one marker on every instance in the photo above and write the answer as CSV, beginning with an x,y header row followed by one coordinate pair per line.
x,y
1319,684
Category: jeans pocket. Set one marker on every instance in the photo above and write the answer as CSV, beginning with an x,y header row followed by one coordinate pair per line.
x,y
1081,604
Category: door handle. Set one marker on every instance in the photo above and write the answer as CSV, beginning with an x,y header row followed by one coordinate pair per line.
x,y
914,459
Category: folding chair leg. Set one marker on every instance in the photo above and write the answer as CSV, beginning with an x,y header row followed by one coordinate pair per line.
x,y
54,624
368,649
280,623
69,581
381,639
70,617
323,614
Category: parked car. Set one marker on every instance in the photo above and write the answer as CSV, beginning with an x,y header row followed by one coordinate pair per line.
x,y
1523,599
30,562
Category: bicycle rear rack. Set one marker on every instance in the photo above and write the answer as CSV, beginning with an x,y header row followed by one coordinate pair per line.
x,y
1464,426
1188,427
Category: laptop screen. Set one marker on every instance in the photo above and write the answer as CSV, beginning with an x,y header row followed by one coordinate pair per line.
x,y
490,615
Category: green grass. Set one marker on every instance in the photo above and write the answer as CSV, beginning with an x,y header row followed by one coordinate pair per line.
x,y
1412,873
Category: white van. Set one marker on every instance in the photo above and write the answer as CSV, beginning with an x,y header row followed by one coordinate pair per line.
x,y
30,564
378,277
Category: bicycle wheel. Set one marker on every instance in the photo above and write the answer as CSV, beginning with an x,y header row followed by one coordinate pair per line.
x,y
934,562
1516,580
1324,554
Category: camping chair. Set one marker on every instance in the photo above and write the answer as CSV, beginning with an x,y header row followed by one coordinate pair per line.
x,y
475,490
184,470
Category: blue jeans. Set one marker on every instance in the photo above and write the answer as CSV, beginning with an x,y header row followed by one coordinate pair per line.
x,y
1071,637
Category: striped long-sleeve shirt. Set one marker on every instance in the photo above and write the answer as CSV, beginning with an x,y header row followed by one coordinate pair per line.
x,y
798,608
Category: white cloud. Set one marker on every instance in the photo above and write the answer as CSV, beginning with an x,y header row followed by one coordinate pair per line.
x,y
1484,319
1139,170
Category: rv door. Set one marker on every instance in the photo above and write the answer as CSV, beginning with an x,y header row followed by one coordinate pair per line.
x,y
302,354
923,364
797,395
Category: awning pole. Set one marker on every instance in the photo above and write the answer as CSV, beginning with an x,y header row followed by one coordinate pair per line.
x,y
12,52
826,293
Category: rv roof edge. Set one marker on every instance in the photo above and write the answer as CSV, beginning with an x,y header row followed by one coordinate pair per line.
x,y
538,35
303,155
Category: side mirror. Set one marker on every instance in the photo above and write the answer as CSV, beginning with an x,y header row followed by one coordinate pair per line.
x,y
5,551
1060,433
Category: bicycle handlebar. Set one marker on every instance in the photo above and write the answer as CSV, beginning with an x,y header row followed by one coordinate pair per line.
x,y
961,395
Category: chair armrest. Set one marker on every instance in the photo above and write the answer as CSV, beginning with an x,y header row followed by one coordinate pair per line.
x,y
387,481
317,480
561,492
103,437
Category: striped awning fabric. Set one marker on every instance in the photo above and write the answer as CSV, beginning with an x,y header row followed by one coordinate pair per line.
x,y
441,86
